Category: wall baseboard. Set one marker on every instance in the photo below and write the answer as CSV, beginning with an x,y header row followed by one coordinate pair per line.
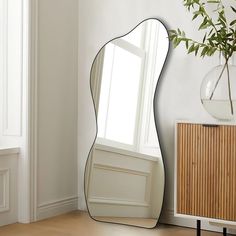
x,y
167,217
57,207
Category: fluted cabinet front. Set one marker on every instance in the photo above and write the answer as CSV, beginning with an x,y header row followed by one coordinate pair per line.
x,y
206,171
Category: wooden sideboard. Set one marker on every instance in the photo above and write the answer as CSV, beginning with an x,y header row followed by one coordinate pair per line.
x,y
205,185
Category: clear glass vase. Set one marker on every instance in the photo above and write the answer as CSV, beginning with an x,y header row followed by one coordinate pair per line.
x,y
218,91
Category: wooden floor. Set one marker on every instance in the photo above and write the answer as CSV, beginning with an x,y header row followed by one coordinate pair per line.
x,y
142,222
79,224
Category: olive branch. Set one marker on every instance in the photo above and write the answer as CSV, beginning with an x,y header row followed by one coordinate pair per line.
x,y
219,36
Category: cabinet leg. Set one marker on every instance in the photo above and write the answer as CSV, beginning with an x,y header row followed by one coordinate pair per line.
x,y
198,228
224,231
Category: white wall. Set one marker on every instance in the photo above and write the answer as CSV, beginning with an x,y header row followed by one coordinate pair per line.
x,y
57,107
179,91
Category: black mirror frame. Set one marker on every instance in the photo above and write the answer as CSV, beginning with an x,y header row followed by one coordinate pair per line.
x,y
155,119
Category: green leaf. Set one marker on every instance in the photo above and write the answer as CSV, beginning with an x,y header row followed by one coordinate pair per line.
x,y
176,42
204,51
234,10
196,49
172,31
232,23
211,31
191,49
171,37
195,16
211,51
229,34
186,44
204,24
204,39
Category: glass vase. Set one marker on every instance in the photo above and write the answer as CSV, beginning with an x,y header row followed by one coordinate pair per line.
x,y
218,91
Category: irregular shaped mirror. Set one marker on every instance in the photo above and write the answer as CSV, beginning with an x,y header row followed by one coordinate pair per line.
x,y
124,176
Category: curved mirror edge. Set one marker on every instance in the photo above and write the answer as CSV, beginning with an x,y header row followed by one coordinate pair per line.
x,y
157,176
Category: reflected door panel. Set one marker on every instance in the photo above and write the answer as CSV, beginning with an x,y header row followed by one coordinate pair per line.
x,y
124,176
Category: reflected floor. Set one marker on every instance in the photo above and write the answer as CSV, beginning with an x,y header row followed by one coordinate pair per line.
x,y
143,222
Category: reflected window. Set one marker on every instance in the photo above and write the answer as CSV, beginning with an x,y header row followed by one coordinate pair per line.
x,y
136,37
119,93
131,66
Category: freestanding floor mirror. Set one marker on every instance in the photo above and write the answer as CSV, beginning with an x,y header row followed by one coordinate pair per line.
x,y
124,176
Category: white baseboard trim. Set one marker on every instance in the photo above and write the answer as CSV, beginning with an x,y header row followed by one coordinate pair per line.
x,y
58,207
167,217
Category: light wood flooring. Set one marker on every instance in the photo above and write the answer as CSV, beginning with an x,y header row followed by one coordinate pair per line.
x,y
79,224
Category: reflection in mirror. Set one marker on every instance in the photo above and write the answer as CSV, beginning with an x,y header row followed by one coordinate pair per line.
x,y
124,176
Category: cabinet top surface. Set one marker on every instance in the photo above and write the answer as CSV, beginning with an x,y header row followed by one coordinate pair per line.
x,y
205,122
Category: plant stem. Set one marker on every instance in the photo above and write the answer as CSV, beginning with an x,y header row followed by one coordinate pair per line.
x,y
217,82
229,88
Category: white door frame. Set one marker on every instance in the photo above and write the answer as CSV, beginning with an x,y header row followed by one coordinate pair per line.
x,y
27,181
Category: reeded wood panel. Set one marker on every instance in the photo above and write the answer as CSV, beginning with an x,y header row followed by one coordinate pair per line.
x,y
206,171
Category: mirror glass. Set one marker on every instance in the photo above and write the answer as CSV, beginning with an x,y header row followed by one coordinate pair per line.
x,y
124,176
